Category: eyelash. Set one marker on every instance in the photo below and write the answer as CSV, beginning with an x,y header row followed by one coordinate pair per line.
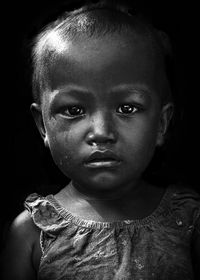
x,y
133,108
66,110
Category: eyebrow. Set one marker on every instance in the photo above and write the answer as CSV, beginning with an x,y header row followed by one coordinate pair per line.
x,y
74,90
139,90
71,89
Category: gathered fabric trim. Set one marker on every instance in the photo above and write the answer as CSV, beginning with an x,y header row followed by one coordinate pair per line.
x,y
163,208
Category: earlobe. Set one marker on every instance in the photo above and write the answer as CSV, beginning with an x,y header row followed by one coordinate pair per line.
x,y
37,115
165,118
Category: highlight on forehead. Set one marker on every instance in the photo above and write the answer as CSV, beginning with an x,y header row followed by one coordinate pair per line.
x,y
92,22
52,42
89,22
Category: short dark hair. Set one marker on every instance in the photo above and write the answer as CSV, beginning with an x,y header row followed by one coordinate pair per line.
x,y
99,19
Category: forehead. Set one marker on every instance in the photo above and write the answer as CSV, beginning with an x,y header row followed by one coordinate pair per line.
x,y
107,49
109,45
106,61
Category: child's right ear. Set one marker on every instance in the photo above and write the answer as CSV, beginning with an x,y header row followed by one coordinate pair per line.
x,y
37,115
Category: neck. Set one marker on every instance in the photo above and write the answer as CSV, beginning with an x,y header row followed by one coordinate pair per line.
x,y
132,204
127,192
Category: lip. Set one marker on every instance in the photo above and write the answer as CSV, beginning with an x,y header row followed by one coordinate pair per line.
x,y
102,159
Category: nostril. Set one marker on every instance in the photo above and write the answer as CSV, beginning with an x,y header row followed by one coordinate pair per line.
x,y
97,138
101,129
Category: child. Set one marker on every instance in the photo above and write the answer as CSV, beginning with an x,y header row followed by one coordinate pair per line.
x,y
102,105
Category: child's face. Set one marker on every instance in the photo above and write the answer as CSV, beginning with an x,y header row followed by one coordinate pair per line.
x,y
105,96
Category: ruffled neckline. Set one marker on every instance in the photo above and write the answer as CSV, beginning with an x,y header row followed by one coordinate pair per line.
x,y
160,210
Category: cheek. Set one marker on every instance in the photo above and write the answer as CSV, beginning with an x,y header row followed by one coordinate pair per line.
x,y
63,146
140,140
63,136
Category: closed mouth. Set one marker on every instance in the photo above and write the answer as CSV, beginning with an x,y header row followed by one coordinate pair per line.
x,y
106,163
105,159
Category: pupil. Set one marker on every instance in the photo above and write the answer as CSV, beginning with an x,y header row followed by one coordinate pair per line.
x,y
126,109
74,110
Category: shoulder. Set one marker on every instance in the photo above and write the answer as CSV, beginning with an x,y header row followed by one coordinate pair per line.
x,y
196,253
185,206
183,197
21,242
23,228
23,225
183,189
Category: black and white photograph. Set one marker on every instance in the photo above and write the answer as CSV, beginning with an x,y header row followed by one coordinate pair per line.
x,y
102,141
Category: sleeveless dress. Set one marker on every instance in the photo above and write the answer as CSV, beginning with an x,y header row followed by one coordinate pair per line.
x,y
157,247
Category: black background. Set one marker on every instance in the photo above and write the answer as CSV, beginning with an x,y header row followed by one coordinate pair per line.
x,y
27,165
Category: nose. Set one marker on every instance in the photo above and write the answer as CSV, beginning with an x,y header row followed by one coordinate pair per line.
x,y
102,130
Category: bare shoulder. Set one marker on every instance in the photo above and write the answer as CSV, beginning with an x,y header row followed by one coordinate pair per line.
x,y
24,231
19,258
22,223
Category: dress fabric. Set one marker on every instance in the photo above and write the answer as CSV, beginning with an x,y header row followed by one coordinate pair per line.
x,y
157,247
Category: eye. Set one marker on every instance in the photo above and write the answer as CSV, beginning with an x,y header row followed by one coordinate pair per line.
x,y
127,109
73,111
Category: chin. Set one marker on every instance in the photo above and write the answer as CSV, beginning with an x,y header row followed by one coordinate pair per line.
x,y
103,182
100,183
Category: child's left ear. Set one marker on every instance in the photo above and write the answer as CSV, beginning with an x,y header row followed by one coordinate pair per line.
x,y
165,117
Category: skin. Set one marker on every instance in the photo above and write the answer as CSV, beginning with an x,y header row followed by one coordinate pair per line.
x,y
89,75
98,77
